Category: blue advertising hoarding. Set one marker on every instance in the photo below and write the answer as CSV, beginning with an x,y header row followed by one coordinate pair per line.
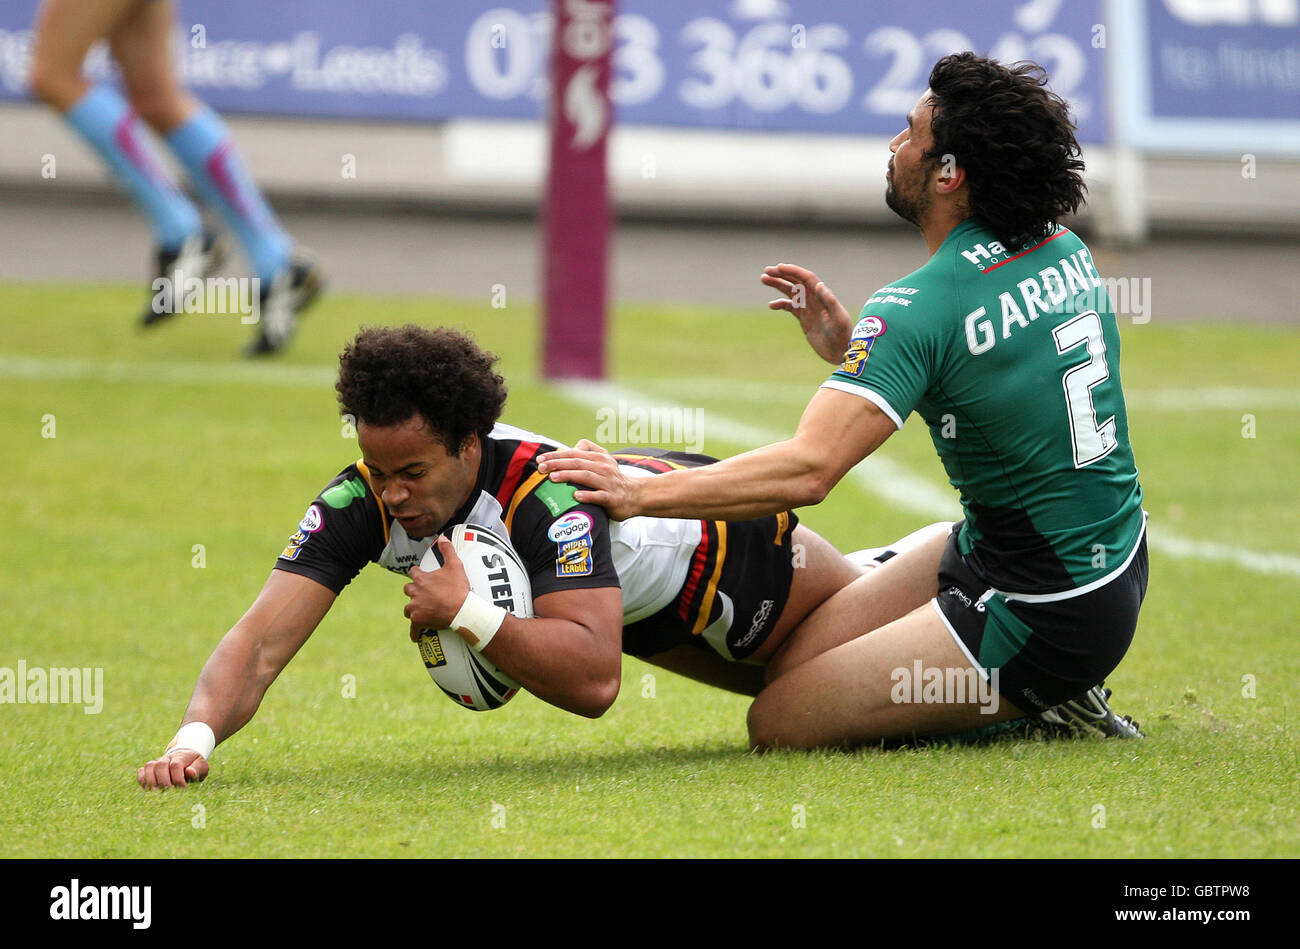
x,y
770,65
1216,75
1248,68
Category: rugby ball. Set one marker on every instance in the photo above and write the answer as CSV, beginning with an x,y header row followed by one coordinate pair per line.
x,y
497,574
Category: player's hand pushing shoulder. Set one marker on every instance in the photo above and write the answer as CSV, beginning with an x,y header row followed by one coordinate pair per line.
x,y
175,769
596,474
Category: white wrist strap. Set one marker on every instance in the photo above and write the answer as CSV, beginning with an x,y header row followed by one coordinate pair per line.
x,y
478,621
195,736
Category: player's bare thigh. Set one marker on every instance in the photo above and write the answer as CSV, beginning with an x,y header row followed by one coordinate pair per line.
x,y
64,32
846,695
820,571
878,596
711,669
141,44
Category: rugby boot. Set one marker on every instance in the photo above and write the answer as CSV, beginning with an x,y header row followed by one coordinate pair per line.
x,y
281,301
197,258
1091,714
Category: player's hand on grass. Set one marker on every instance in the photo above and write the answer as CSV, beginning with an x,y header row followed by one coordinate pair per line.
x,y
175,769
436,595
824,320
596,474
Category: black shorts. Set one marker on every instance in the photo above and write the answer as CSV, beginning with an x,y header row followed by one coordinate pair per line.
x,y
737,587
1043,654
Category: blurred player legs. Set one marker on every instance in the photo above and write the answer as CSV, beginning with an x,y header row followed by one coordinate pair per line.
x,y
138,33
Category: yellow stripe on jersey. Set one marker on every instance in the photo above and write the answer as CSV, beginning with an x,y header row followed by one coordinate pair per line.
x,y
383,515
782,525
521,492
706,607
630,456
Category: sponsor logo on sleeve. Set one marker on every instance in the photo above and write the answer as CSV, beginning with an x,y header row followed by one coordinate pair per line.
x,y
292,551
865,334
572,536
573,558
312,521
570,526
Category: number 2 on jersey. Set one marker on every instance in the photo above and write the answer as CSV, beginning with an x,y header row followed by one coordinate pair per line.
x,y
1091,442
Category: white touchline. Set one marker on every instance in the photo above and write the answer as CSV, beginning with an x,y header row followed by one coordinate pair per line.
x,y
1224,398
45,369
894,483
877,474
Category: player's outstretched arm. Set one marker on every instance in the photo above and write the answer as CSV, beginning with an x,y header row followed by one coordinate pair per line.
x,y
836,432
238,673
825,322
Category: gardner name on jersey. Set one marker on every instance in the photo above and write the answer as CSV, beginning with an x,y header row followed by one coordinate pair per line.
x,y
680,581
1049,486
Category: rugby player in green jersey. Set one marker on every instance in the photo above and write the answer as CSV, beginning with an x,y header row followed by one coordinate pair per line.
x,y
1005,344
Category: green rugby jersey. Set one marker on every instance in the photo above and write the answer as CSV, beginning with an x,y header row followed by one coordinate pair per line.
x,y
1012,359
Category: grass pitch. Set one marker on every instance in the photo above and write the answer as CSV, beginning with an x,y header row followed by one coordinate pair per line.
x,y
158,475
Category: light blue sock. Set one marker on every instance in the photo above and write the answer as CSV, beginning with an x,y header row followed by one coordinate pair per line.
x,y
106,121
205,147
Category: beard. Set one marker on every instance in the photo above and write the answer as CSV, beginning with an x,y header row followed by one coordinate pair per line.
x,y
911,204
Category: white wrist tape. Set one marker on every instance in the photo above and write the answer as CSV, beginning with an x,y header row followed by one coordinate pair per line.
x,y
196,736
478,621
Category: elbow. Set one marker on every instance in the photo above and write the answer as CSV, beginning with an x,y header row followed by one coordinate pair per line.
x,y
811,489
605,673
599,696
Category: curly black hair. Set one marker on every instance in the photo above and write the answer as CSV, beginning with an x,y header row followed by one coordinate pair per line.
x,y
390,373
1014,138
